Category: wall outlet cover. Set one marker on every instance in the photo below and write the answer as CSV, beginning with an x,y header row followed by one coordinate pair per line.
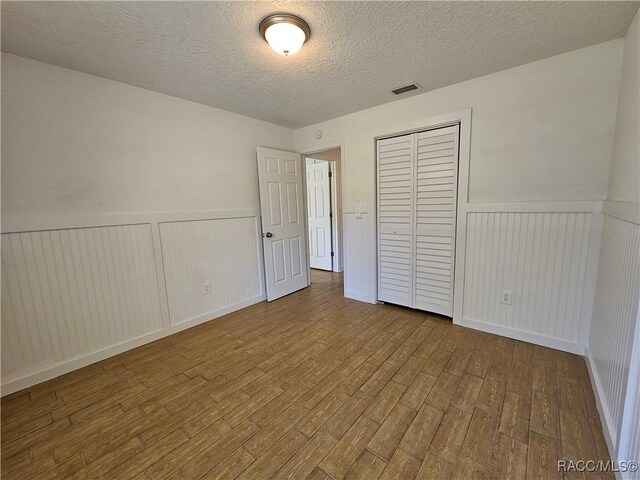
x,y
507,297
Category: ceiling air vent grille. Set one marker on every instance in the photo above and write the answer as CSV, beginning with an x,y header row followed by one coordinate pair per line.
x,y
405,89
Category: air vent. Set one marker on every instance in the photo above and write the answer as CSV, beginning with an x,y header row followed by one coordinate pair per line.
x,y
406,89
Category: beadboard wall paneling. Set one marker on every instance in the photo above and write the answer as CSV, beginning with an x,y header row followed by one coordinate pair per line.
x,y
74,292
226,253
356,282
544,259
613,355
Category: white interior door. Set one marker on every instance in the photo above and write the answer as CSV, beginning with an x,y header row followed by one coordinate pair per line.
x,y
280,177
319,223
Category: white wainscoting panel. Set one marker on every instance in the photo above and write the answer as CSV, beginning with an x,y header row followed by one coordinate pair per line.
x,y
543,258
611,356
78,290
73,292
358,281
225,253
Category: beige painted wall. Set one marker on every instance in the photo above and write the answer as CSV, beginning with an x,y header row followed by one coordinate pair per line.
x,y
539,132
624,178
76,144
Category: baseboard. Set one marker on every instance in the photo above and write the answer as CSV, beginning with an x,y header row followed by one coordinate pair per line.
x,y
525,336
361,297
79,362
205,317
84,360
605,417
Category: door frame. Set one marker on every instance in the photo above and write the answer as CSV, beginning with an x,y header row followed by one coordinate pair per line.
x,y
340,189
463,117
336,244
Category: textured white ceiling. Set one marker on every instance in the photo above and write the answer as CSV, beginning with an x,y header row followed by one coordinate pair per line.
x,y
211,52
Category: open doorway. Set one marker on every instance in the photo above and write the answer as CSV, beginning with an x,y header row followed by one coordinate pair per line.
x,y
323,210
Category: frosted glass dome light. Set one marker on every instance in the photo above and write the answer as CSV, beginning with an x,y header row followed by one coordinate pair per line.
x,y
285,33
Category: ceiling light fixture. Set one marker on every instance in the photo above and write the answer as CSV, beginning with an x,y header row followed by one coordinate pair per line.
x,y
285,33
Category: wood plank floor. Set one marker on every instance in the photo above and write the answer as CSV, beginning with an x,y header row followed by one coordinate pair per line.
x,y
310,386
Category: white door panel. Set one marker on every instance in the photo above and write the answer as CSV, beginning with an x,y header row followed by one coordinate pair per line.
x,y
281,204
395,224
319,203
436,187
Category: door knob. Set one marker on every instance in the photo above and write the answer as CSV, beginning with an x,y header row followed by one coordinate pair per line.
x,y
268,234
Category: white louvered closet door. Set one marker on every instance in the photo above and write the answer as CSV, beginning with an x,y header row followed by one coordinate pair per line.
x,y
395,219
417,190
435,197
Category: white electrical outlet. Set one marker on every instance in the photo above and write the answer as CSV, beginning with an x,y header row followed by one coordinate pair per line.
x,y
206,288
506,297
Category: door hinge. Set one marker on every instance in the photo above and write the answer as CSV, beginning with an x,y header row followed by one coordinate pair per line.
x,y
330,174
332,254
330,214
